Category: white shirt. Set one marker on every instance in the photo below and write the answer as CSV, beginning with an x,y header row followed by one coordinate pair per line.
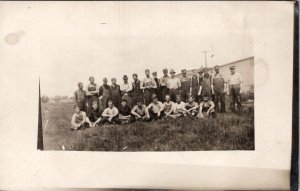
x,y
110,112
235,79
126,87
155,107
174,83
179,108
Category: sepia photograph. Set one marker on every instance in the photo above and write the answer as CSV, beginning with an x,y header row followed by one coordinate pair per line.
x,y
158,81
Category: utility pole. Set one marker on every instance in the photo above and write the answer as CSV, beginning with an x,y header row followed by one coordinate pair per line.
x,y
205,51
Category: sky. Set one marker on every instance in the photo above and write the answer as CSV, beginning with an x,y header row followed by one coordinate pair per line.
x,y
110,39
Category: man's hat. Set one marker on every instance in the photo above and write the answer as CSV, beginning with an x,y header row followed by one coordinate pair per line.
x,y
147,70
165,70
201,69
232,67
154,73
172,71
183,70
125,77
217,67
135,75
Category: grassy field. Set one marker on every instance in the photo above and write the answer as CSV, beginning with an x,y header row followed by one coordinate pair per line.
x,y
227,132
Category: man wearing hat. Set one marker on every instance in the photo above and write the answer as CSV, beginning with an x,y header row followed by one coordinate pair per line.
x,y
185,86
126,91
235,82
105,94
157,90
206,85
173,85
137,91
218,83
163,81
92,94
200,76
149,86
115,93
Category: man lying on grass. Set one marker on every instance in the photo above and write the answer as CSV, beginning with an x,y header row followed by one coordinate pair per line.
x,y
192,106
94,117
154,109
125,113
110,114
207,108
78,119
139,111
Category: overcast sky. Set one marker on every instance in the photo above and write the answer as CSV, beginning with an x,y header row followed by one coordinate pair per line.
x,y
110,39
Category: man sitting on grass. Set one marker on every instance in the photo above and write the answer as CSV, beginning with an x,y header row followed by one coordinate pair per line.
x,y
94,117
139,111
110,114
206,108
78,119
125,113
179,108
192,106
168,107
154,109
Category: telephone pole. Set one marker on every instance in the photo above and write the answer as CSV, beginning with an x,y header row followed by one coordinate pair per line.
x,y
205,51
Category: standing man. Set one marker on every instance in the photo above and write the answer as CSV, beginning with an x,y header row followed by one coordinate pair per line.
x,y
157,90
200,84
79,97
137,91
92,92
186,89
105,94
126,91
195,87
149,86
218,89
115,93
173,85
235,82
206,85
163,82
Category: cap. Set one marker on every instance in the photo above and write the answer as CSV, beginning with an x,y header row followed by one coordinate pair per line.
x,y
201,69
172,71
125,77
183,70
232,67
165,70
147,70
217,67
154,73
91,77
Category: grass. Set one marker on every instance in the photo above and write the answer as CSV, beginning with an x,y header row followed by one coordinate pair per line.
x,y
227,132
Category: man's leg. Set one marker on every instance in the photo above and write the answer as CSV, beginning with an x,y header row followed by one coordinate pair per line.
x,y
216,100
232,98
238,98
222,100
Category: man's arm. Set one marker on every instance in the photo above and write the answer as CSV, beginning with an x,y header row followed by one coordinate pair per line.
x,y
75,97
130,88
104,114
116,112
134,113
200,89
200,110
212,106
73,123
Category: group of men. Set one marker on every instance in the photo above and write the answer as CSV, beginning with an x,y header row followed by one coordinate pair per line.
x,y
153,98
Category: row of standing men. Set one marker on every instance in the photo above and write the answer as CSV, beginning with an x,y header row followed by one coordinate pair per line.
x,y
215,86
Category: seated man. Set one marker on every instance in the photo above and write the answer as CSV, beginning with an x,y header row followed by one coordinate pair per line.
x,y
192,106
139,111
154,109
168,107
125,113
179,108
110,114
207,108
78,120
94,117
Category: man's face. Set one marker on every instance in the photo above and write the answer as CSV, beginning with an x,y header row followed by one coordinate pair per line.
x,y
125,80
95,106
135,78
154,75
200,73
77,110
178,99
139,104
155,100
172,75
165,73
123,103
114,81
184,74
167,98
217,70
80,85
92,80
190,99
104,81
147,73
110,104
205,98
205,71
232,71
